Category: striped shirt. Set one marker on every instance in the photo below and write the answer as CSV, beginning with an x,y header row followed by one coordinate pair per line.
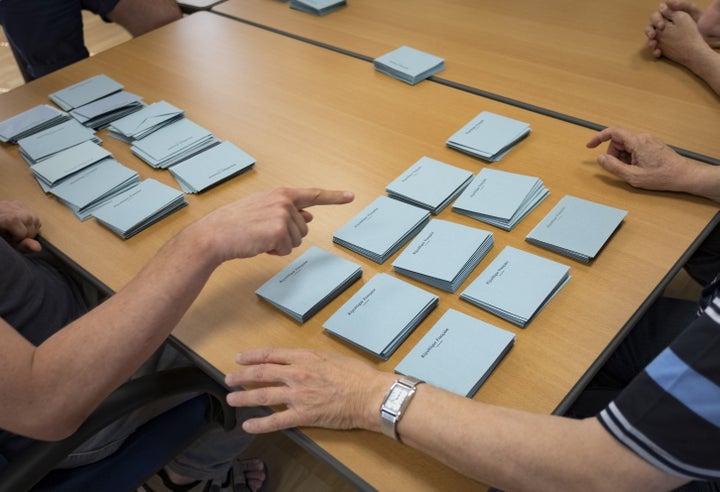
x,y
670,413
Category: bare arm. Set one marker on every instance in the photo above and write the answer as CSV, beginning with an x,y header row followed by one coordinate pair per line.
x,y
46,392
505,448
646,162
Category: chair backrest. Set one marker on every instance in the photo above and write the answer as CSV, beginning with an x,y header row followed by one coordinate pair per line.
x,y
151,446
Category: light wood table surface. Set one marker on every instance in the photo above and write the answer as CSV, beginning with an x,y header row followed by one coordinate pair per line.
x,y
581,59
313,117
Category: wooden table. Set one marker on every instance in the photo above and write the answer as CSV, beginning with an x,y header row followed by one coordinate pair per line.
x,y
313,117
580,60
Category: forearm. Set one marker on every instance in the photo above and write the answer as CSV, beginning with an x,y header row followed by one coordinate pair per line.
x,y
706,65
120,334
701,180
516,450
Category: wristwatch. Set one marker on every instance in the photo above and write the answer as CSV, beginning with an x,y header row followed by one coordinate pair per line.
x,y
394,404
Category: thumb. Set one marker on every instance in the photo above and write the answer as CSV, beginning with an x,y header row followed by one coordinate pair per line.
x,y
613,165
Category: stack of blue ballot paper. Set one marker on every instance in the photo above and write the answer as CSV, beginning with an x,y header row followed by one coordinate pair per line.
x,y
577,228
517,285
501,198
429,184
133,210
66,162
380,316
409,64
31,121
443,254
317,7
101,112
457,354
173,143
89,189
381,228
145,121
44,144
309,283
85,92
489,136
211,167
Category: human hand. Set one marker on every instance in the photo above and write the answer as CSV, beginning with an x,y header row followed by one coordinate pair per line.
x,y
643,160
271,222
19,226
674,34
319,389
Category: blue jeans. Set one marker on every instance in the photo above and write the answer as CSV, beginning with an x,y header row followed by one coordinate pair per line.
x,y
47,35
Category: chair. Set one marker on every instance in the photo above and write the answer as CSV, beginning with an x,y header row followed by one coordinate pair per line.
x,y
143,453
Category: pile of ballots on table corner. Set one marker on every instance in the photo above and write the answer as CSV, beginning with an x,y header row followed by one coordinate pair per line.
x,y
409,64
317,7
97,101
489,136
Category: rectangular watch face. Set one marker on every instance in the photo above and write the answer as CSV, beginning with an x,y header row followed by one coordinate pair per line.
x,y
395,399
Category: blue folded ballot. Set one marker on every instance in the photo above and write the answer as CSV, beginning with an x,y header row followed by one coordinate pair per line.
x,y
31,121
211,167
85,92
489,136
501,198
429,184
173,143
43,144
381,228
457,354
380,316
443,254
309,283
517,285
86,190
130,212
145,121
409,64
101,112
317,7
66,162
577,228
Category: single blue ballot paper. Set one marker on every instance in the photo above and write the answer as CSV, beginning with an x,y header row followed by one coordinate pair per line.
x,y
501,198
443,254
457,354
380,316
489,136
381,228
309,283
130,212
31,121
41,145
517,285
429,184
85,92
577,228
212,166
145,121
409,64
317,7
173,143
90,188
69,161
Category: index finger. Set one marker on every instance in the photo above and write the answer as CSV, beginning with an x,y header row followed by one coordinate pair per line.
x,y
614,133
268,355
307,197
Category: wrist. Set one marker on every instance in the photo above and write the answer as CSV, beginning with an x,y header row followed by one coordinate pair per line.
x,y
395,403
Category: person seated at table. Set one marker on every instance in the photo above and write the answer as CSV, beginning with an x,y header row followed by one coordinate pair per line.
x,y
685,34
649,420
48,386
46,35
